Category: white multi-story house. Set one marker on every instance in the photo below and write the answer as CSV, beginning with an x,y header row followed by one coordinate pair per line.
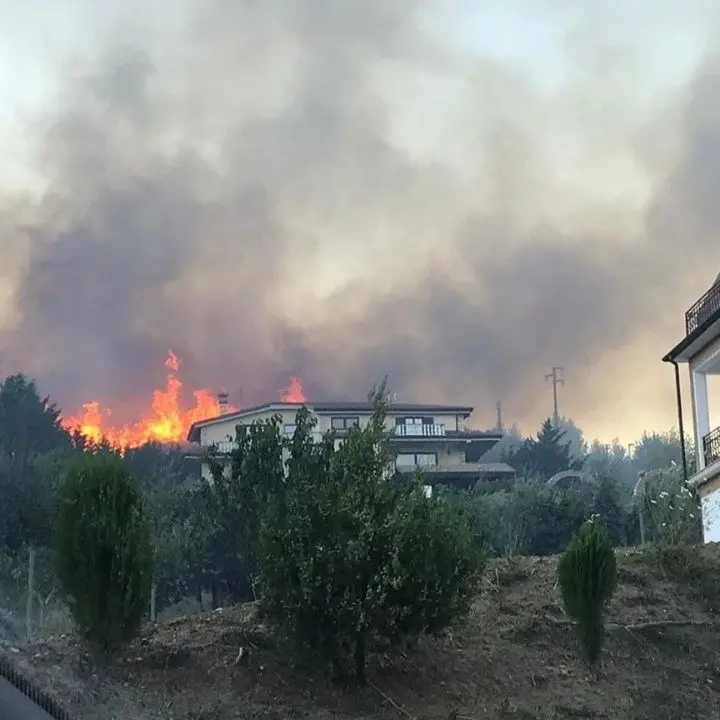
x,y
432,438
700,349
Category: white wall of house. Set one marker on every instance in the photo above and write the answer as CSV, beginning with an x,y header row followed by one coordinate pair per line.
x,y
225,430
710,506
415,451
709,492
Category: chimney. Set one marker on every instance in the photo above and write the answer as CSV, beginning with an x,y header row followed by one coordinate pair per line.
x,y
222,402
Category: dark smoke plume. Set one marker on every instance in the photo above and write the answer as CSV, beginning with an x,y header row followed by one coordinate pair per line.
x,y
253,192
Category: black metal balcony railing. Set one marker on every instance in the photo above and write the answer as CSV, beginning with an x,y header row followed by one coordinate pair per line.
x,y
711,447
420,430
707,306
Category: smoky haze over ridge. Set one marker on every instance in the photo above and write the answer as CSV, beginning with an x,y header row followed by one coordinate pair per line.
x,y
207,186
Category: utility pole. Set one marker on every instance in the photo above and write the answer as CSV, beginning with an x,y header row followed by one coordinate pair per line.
x,y
555,377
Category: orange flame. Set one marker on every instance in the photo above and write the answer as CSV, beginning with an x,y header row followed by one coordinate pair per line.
x,y
165,422
294,392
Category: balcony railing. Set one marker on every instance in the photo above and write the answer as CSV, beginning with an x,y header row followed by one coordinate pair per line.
x,y
224,446
420,430
711,447
703,309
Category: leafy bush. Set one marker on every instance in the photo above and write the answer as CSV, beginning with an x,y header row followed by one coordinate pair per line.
x,y
104,552
671,509
588,576
531,518
350,556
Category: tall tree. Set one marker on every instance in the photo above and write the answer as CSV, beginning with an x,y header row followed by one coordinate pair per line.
x,y
29,424
611,460
658,451
546,454
349,556
573,435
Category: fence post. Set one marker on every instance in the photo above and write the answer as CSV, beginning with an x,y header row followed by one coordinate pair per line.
x,y
30,594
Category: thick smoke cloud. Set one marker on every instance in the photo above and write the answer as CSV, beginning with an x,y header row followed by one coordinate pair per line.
x,y
207,185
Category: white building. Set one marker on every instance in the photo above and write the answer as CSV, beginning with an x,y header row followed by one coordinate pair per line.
x,y
700,349
433,438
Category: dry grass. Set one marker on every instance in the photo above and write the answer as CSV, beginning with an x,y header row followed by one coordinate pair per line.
x,y
516,657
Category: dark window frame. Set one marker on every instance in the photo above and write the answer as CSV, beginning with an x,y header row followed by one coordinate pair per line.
x,y
413,420
346,422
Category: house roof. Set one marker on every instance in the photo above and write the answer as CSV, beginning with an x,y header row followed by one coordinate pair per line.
x,y
344,408
691,345
705,317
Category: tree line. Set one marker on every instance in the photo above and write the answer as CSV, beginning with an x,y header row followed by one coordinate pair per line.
x,y
338,549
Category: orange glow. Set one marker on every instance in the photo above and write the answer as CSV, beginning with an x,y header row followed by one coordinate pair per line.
x,y
294,392
165,421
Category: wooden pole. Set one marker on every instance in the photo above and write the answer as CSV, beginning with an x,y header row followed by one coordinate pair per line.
x,y
30,593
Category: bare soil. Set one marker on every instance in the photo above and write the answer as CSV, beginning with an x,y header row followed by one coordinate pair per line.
x,y
516,657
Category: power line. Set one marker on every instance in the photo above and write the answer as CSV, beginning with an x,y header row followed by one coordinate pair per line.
x,y
555,377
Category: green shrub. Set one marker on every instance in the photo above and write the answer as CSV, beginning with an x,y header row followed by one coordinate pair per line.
x,y
350,556
104,552
587,573
671,510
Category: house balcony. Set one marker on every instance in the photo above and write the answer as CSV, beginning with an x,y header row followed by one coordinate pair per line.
x,y
705,310
707,476
224,447
711,448
420,431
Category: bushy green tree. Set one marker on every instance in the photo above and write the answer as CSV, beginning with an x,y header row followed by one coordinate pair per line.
x,y
104,550
28,502
587,574
612,507
174,507
350,555
658,451
234,503
29,423
529,519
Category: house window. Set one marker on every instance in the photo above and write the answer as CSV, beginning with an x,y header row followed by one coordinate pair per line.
x,y
411,460
414,420
426,459
405,460
344,423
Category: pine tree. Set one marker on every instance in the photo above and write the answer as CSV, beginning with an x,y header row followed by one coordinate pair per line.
x,y
545,455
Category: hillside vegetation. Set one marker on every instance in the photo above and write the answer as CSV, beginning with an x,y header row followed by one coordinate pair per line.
x,y
515,657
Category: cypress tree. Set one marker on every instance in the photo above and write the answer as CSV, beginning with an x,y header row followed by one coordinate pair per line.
x,y
104,551
587,573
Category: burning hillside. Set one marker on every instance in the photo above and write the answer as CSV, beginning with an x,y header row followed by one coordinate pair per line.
x,y
164,420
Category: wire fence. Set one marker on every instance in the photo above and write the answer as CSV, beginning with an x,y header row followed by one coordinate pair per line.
x,y
32,607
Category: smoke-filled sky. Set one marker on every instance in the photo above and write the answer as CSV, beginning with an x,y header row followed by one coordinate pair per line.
x,y
459,194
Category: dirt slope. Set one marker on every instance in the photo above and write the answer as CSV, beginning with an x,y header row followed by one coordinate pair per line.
x,y
516,657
